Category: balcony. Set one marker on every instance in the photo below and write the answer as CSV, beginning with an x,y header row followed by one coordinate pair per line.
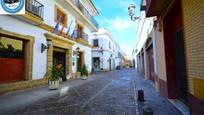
x,y
80,35
35,7
84,11
34,12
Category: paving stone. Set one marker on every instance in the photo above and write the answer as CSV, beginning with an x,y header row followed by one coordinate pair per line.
x,y
112,93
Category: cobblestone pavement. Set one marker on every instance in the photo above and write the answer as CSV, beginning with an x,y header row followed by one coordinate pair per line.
x,y
113,93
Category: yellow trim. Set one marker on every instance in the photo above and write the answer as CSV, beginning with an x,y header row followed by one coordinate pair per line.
x,y
78,40
29,44
58,41
32,17
80,24
198,85
9,87
49,28
39,22
57,7
46,27
81,59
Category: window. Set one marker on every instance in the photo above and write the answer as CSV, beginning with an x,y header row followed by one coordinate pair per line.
x,y
109,45
11,48
113,49
61,16
80,30
95,43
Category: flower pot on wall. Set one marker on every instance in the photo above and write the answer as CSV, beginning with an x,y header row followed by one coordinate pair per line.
x,y
53,84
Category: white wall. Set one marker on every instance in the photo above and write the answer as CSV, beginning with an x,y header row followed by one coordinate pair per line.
x,y
72,24
144,28
144,32
49,7
18,26
88,7
104,38
87,57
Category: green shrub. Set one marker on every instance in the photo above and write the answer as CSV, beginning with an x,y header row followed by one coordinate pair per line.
x,y
84,70
55,73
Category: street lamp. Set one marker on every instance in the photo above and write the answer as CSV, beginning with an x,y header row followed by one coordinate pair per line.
x,y
131,11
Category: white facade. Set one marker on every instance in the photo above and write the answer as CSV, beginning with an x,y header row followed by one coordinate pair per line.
x,y
25,26
143,34
107,55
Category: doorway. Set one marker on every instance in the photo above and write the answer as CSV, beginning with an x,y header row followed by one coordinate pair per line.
x,y
59,57
151,64
12,60
110,64
80,61
181,76
96,63
175,53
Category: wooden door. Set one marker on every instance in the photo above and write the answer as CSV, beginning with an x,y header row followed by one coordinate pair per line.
x,y
11,60
181,77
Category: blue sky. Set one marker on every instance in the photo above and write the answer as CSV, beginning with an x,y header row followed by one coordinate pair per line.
x,y
113,15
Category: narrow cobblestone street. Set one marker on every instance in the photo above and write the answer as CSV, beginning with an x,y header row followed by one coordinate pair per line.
x,y
111,93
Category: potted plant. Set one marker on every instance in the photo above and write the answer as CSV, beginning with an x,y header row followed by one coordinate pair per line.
x,y
84,72
53,76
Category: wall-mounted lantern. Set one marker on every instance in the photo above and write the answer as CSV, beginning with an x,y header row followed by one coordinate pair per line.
x,y
101,50
44,47
76,51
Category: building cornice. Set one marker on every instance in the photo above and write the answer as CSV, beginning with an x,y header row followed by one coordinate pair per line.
x,y
93,6
99,50
50,29
52,36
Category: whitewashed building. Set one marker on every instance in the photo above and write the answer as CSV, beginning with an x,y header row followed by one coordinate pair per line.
x,y
145,50
106,53
63,25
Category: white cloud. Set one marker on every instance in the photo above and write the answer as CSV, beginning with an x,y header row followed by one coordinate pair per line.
x,y
124,29
120,24
127,2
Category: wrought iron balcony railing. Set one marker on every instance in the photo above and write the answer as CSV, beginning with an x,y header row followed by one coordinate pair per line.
x,y
35,7
78,4
80,34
